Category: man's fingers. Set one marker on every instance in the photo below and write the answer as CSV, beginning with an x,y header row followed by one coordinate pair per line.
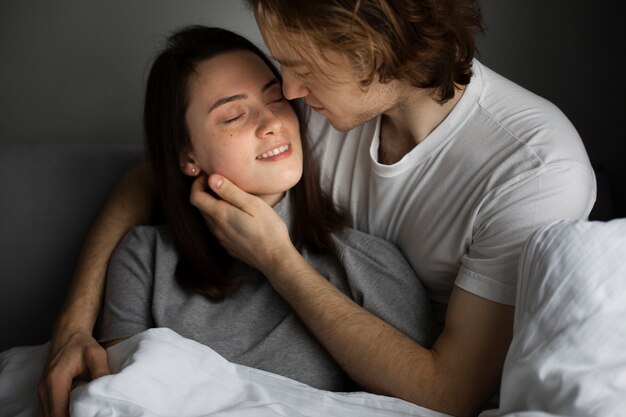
x,y
60,400
58,388
97,363
79,356
229,192
201,199
42,392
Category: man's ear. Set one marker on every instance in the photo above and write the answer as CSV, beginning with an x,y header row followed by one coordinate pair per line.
x,y
188,164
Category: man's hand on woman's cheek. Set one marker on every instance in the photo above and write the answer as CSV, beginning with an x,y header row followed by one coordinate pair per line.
x,y
244,224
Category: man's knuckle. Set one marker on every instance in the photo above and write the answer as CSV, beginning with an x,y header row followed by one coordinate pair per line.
x,y
93,351
229,195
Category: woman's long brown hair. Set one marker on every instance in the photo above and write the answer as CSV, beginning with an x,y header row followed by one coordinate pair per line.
x,y
204,266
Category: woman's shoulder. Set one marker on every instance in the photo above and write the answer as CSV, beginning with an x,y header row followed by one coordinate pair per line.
x,y
144,248
152,236
375,248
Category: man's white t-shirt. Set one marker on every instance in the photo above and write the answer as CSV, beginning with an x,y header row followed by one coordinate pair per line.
x,y
461,204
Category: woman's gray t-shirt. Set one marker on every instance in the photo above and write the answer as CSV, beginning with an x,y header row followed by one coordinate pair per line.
x,y
254,326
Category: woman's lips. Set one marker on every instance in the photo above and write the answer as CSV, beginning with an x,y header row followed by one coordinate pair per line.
x,y
275,154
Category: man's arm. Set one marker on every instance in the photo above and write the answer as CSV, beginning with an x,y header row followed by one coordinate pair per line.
x,y
73,350
465,364
457,376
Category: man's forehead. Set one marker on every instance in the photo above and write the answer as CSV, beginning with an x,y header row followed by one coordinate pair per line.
x,y
289,49
293,50
301,55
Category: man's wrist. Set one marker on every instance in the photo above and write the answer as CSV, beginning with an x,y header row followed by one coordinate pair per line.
x,y
285,268
73,319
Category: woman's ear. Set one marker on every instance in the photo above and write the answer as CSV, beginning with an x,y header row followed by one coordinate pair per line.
x,y
188,165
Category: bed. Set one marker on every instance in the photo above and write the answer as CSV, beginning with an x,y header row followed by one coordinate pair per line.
x,y
568,356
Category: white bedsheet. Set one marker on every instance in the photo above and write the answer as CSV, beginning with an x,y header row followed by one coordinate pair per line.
x,y
164,374
20,369
160,373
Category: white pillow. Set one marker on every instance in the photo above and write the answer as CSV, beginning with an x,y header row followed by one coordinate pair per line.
x,y
568,354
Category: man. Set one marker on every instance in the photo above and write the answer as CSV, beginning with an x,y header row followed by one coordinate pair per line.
x,y
424,146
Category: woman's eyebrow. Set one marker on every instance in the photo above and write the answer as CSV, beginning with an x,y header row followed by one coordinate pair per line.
x,y
225,100
241,96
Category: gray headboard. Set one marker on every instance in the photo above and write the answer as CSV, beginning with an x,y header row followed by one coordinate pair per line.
x,y
49,196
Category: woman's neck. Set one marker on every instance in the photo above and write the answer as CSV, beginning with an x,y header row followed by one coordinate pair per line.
x,y
272,199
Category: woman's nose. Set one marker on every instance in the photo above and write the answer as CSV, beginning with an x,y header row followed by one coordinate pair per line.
x,y
269,124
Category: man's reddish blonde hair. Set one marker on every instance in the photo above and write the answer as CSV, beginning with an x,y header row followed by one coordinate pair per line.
x,y
429,43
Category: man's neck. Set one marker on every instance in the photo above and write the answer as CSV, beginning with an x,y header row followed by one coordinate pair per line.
x,y
408,123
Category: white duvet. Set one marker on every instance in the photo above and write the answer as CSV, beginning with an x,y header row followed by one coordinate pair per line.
x,y
164,374
567,358
160,373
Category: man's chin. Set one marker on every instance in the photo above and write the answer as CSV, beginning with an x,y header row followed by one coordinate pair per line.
x,y
342,126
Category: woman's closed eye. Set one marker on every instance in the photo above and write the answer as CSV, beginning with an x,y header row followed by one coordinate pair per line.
x,y
279,99
233,119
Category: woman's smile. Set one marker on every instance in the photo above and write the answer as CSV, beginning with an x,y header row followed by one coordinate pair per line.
x,y
276,153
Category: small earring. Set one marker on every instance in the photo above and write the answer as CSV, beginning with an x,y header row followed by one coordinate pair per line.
x,y
193,171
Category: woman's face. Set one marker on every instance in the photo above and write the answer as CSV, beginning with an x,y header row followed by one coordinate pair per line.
x,y
242,127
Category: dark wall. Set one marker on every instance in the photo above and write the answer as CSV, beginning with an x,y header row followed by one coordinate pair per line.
x,y
74,71
570,52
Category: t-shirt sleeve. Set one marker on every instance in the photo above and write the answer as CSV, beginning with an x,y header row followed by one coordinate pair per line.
x,y
381,280
128,293
510,215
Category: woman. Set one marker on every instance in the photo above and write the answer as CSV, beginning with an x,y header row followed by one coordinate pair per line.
x,y
214,103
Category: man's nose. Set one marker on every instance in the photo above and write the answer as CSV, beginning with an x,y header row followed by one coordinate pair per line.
x,y
293,87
